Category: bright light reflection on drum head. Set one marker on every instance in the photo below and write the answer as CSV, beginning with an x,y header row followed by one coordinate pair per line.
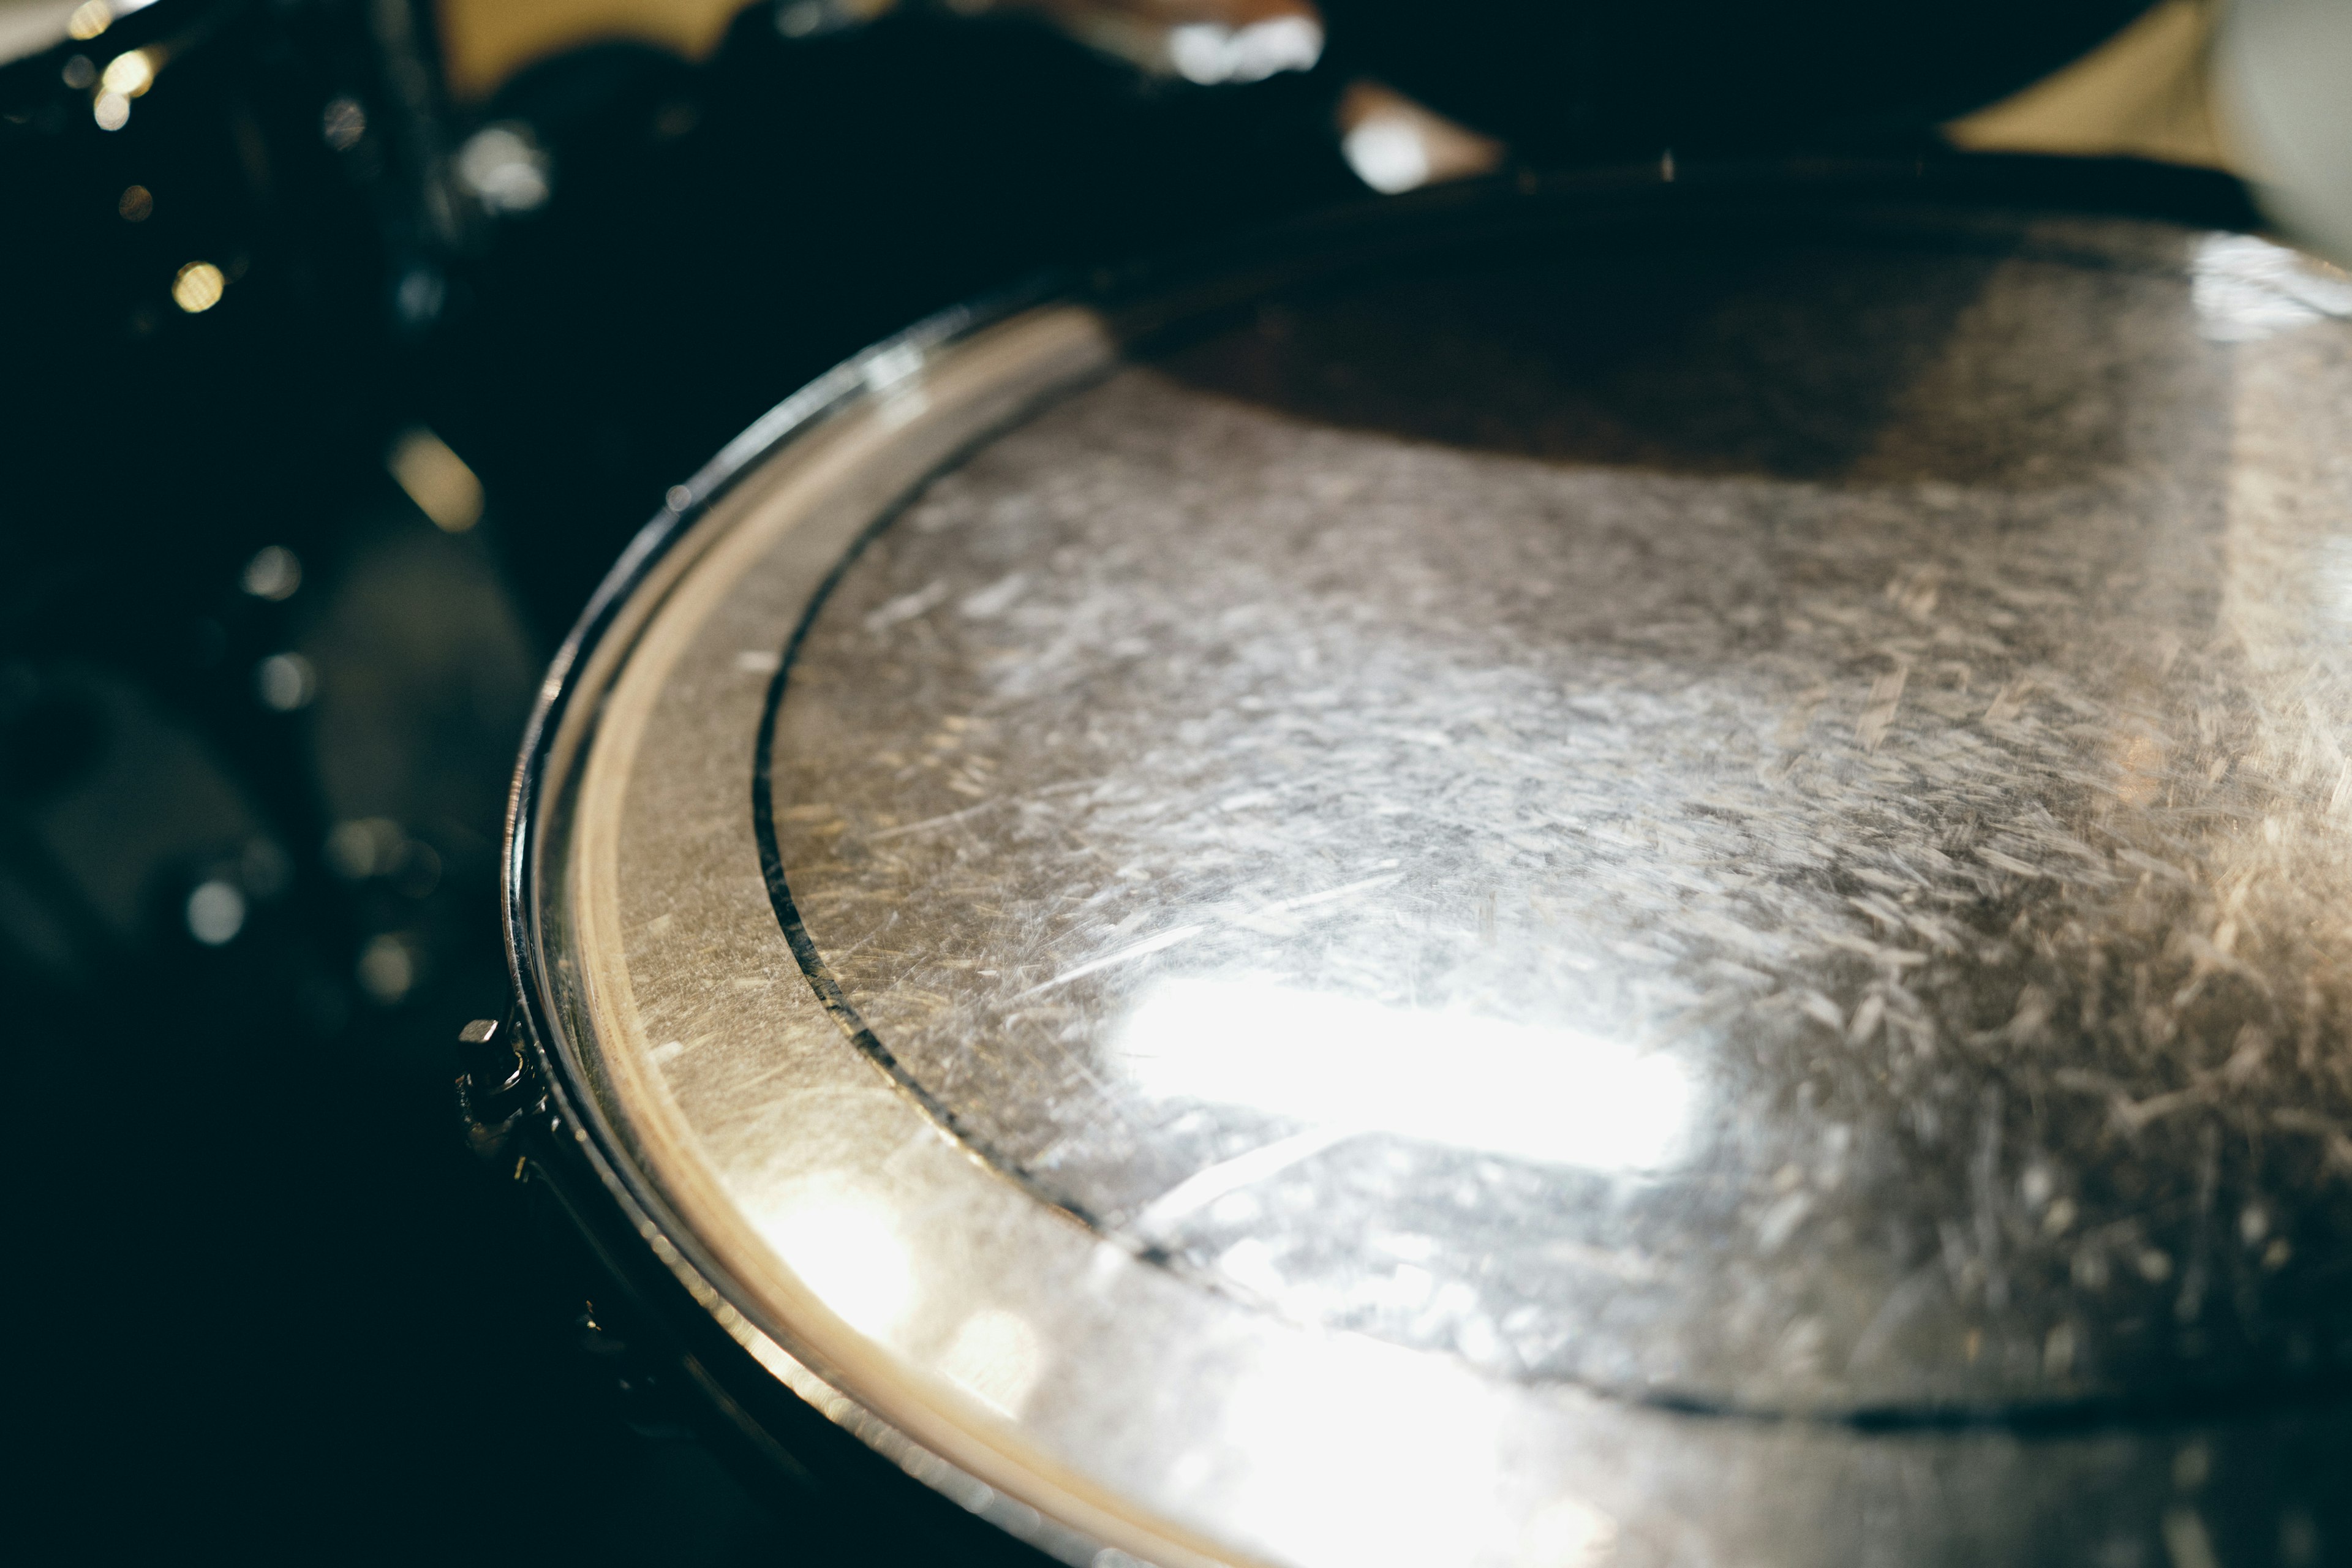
x,y
844,1246
1572,1099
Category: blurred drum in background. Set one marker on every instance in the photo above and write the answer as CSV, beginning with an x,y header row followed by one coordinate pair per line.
x,y
1598,873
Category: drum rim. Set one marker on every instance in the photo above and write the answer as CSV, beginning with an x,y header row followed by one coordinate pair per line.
x,y
1140,301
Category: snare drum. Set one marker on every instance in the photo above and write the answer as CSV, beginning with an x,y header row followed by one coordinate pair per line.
x,y
1657,874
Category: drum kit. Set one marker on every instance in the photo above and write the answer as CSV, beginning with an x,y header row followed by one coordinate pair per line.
x,y
1640,861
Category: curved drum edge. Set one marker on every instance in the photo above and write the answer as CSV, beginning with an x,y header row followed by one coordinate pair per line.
x,y
571,1134
808,1429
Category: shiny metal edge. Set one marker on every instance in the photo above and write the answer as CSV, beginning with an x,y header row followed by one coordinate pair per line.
x,y
560,727
828,481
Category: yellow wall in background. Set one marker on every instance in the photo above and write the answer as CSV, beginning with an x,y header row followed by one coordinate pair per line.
x,y
2144,93
484,42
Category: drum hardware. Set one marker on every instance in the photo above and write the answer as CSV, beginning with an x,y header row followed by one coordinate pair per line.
x,y
493,1086
891,565
842,1497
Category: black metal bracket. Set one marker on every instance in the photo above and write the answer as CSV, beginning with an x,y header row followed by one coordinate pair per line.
x,y
496,1085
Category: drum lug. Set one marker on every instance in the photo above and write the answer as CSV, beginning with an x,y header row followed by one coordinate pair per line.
x,y
495,1084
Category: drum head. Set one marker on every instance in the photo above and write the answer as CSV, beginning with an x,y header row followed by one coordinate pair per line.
x,y
1521,890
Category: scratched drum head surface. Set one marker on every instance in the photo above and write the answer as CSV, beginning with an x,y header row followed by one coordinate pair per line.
x,y
1744,823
